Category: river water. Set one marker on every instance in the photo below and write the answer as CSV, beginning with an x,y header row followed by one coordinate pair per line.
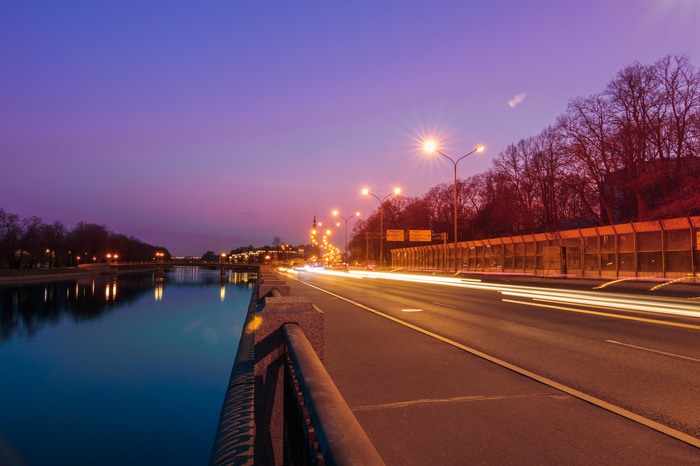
x,y
129,370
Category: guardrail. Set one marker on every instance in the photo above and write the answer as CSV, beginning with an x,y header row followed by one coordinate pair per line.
x,y
281,405
320,428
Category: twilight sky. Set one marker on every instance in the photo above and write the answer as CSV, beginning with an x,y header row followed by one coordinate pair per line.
x,y
210,125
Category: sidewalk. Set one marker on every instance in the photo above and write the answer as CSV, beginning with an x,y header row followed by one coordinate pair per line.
x,y
424,402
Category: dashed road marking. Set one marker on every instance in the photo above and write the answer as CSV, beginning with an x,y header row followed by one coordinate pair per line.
x,y
653,350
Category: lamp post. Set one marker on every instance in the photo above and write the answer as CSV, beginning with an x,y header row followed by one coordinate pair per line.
x,y
314,240
395,192
431,147
337,214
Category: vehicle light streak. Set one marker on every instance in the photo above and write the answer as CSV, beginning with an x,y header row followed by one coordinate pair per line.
x,y
609,301
606,284
661,285
606,314
444,305
414,278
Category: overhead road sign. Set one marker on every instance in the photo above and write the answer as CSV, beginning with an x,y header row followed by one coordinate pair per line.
x,y
420,235
395,235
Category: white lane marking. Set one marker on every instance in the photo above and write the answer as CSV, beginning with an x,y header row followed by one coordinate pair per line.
x,y
411,310
444,305
653,350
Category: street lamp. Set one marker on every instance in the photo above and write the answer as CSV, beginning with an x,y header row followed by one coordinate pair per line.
x,y
314,240
337,214
395,192
431,147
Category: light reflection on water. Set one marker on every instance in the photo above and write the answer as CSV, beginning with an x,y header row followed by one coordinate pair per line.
x,y
132,374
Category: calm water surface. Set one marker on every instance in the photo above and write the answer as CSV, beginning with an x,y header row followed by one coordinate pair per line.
x,y
128,371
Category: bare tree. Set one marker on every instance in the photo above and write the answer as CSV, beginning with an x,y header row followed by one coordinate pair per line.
x,y
9,237
515,167
439,201
636,113
589,152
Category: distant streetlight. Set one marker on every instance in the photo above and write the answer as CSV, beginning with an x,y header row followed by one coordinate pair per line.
x,y
337,214
431,147
314,240
395,192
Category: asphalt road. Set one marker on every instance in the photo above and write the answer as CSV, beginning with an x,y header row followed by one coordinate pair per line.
x,y
631,351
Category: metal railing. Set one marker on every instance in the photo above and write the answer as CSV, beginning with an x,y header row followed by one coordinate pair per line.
x,y
316,426
319,428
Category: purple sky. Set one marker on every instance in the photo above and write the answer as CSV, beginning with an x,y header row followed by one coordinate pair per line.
x,y
210,126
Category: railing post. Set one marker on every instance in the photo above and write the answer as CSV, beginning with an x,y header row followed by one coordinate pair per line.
x,y
266,285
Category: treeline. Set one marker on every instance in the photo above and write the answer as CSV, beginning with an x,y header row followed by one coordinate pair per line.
x,y
628,153
30,243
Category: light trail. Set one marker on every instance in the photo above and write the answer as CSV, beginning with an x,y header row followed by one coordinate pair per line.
x,y
605,314
661,285
611,301
607,301
444,305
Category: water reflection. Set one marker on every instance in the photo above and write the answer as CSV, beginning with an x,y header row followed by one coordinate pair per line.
x,y
202,277
26,309
106,362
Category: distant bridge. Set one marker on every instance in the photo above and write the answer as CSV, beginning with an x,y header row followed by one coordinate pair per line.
x,y
109,267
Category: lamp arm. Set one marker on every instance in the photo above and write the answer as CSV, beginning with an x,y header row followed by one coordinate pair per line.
x,y
466,155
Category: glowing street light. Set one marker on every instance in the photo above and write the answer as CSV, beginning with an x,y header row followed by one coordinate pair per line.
x,y
395,192
431,147
337,214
